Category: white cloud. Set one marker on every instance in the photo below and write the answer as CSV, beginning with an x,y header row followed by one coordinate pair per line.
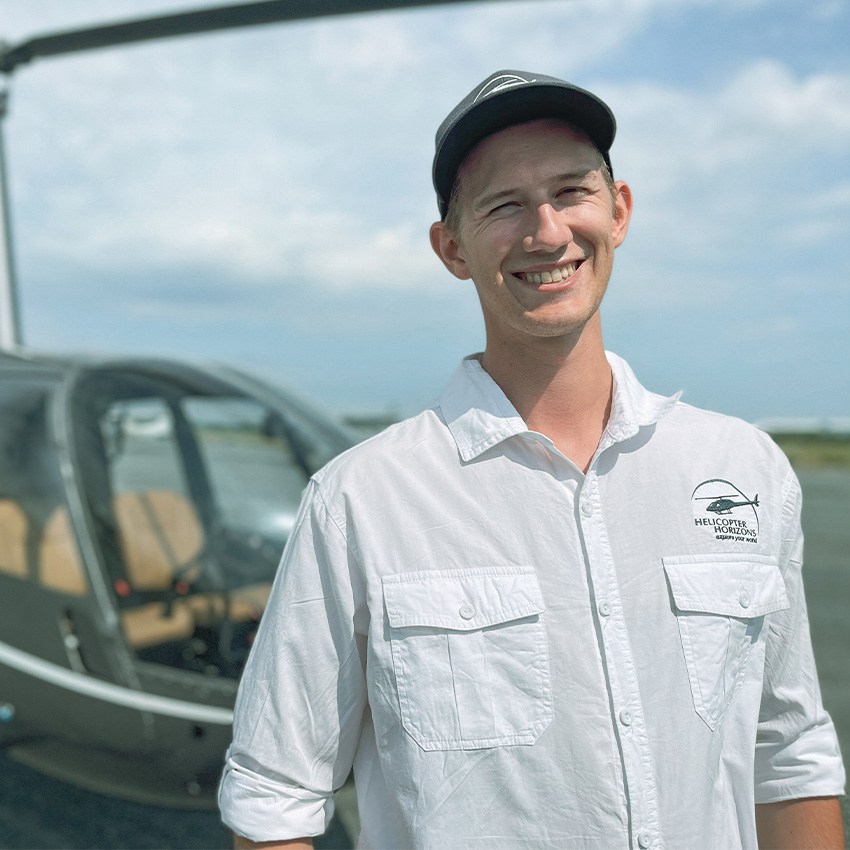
x,y
722,176
764,114
810,113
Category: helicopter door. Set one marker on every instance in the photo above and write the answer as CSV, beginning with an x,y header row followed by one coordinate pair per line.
x,y
157,529
193,489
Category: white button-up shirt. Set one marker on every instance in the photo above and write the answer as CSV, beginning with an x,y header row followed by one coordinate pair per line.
x,y
515,654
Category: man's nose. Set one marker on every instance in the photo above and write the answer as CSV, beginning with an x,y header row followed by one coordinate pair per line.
x,y
549,232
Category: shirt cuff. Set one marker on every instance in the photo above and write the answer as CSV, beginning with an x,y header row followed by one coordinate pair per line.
x,y
809,766
263,809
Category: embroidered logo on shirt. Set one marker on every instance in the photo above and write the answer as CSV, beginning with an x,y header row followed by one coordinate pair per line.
x,y
726,511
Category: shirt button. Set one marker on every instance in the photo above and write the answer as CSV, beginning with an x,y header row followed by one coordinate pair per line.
x,y
586,507
626,717
744,599
605,608
644,840
466,611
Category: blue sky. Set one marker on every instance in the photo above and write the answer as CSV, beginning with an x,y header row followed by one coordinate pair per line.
x,y
262,197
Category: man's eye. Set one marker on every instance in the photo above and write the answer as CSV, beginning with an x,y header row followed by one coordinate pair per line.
x,y
503,207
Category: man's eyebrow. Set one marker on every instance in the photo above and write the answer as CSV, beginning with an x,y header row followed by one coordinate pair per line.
x,y
566,177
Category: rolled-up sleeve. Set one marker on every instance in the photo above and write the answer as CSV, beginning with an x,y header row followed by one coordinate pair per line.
x,y
301,701
797,753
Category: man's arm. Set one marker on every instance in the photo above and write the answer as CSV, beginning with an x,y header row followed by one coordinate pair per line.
x,y
240,843
797,756
299,711
812,823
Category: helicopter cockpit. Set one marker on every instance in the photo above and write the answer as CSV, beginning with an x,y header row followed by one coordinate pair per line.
x,y
144,506
192,490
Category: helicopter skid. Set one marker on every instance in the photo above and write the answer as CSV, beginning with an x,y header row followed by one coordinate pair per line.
x,y
127,778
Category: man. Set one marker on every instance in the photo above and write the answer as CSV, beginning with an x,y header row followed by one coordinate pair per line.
x,y
557,610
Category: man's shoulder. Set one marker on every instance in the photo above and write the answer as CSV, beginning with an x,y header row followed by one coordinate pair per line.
x,y
709,430
400,443
685,415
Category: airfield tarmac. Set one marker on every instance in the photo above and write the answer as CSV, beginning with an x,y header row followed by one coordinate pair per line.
x,y
37,812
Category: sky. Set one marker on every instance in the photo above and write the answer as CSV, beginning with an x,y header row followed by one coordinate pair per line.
x,y
262,197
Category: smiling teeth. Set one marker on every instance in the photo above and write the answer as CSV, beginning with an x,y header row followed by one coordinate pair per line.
x,y
555,276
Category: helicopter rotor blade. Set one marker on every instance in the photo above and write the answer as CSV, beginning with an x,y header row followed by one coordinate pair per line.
x,y
188,23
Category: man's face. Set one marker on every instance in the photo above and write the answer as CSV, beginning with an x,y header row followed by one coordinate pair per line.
x,y
537,232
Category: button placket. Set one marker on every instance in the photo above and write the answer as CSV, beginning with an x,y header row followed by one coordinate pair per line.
x,y
619,664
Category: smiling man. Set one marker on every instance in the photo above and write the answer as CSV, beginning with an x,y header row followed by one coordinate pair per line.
x,y
556,610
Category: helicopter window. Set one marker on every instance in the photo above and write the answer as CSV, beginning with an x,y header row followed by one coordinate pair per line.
x,y
257,463
37,541
140,443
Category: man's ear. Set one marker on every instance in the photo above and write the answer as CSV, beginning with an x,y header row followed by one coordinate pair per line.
x,y
448,250
622,212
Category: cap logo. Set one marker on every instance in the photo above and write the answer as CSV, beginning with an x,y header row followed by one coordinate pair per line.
x,y
500,83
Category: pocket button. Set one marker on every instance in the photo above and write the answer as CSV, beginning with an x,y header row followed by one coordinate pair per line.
x,y
744,599
466,611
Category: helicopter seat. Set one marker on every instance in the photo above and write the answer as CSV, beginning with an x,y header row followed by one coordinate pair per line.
x,y
13,539
242,605
161,538
153,624
59,564
161,542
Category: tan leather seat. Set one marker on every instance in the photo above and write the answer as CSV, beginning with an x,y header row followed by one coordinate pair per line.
x,y
13,539
161,538
59,564
248,603
245,604
150,624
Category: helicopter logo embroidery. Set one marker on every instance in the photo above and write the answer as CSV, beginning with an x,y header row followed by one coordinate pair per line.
x,y
725,505
730,514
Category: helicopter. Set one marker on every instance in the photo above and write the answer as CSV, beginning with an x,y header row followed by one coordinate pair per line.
x,y
724,504
144,505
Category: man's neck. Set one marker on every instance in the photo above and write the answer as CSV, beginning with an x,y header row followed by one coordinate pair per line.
x,y
561,387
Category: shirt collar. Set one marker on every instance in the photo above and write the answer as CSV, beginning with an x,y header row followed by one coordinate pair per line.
x,y
479,415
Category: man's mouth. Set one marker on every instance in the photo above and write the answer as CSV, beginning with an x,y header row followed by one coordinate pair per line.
x,y
555,275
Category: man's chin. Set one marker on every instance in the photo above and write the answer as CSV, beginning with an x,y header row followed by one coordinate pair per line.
x,y
556,323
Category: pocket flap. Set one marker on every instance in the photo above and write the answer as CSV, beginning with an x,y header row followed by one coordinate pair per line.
x,y
731,585
462,600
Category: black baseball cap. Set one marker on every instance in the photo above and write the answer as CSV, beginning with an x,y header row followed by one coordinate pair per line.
x,y
506,98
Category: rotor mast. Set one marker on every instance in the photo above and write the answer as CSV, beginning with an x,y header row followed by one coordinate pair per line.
x,y
10,321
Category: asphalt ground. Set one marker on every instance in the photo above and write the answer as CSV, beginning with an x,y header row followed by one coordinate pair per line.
x,y
37,812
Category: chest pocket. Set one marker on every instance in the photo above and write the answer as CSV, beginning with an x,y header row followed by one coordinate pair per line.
x,y
469,656
720,604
